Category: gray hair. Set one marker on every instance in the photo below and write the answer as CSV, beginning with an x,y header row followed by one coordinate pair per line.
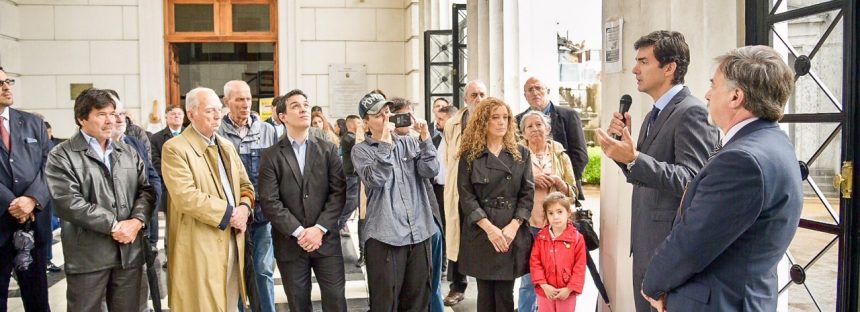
x,y
192,99
533,113
762,75
228,87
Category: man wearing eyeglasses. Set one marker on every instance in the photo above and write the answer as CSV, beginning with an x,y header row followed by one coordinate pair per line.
x,y
24,198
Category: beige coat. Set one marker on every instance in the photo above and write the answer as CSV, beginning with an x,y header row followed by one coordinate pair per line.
x,y
453,133
198,248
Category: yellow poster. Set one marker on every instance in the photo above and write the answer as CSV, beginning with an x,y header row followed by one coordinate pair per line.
x,y
266,108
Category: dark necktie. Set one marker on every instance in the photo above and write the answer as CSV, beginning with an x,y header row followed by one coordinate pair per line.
x,y
652,120
4,134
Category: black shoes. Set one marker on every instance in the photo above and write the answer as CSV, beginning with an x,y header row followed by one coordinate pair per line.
x,y
53,268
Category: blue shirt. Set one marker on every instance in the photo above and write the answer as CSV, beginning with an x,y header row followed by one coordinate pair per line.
x,y
301,151
398,206
548,109
664,100
104,155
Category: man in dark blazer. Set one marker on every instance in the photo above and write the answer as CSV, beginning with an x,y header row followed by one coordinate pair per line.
x,y
673,145
24,197
303,191
566,126
174,116
741,211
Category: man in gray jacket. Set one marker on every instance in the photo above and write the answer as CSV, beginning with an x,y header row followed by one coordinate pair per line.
x,y
250,136
101,193
673,145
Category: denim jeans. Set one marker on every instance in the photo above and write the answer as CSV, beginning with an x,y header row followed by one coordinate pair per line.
x,y
264,260
527,296
351,200
436,304
55,224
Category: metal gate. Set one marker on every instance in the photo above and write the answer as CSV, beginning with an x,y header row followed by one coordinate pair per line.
x,y
438,68
818,38
458,28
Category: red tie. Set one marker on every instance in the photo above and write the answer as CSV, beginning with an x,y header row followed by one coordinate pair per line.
x,y
5,134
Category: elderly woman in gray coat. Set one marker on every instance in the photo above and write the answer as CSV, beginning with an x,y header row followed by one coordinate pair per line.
x,y
496,189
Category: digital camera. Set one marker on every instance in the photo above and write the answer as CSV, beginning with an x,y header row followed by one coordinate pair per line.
x,y
401,120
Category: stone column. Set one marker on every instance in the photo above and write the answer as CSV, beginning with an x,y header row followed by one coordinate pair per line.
x,y
510,41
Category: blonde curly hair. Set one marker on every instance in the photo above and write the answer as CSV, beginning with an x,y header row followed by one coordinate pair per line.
x,y
475,136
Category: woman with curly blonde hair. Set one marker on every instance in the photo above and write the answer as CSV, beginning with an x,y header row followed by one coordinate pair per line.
x,y
496,189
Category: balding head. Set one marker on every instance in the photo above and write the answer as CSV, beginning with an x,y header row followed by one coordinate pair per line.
x,y
535,92
475,92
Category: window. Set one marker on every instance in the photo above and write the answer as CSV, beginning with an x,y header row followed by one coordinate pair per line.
x,y
220,20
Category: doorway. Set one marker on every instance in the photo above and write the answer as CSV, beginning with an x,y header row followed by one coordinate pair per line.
x,y
212,64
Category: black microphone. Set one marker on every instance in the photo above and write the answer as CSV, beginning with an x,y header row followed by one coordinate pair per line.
x,y
623,107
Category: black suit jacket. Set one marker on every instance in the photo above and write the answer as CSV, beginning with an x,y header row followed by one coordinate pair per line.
x,y
567,130
22,174
151,175
157,141
291,199
670,155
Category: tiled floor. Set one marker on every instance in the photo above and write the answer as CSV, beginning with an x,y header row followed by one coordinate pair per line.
x,y
356,285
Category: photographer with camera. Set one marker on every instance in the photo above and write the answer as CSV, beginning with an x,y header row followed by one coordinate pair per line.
x,y
400,223
404,125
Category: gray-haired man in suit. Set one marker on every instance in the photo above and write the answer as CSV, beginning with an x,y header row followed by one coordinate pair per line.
x,y
741,211
673,145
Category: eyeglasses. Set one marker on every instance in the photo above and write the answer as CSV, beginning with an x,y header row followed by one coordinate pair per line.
x,y
8,82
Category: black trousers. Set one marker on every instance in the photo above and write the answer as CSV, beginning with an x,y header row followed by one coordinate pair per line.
x,y
33,282
330,274
398,277
459,282
495,296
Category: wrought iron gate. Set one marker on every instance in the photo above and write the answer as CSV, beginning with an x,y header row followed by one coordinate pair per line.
x,y
458,28
438,68
819,40
445,61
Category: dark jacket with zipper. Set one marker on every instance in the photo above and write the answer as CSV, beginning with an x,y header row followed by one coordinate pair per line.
x,y
90,199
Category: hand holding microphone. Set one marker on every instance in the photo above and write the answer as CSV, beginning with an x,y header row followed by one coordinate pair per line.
x,y
619,119
616,142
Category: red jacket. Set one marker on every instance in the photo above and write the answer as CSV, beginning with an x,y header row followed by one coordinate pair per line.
x,y
560,262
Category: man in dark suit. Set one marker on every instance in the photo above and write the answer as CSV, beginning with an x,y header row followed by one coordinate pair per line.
x,y
741,211
673,145
566,126
302,191
174,116
24,197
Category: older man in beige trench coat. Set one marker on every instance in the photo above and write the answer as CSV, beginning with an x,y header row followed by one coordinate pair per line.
x,y
210,204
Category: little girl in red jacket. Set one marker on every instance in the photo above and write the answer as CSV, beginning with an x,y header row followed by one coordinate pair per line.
x,y
558,258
